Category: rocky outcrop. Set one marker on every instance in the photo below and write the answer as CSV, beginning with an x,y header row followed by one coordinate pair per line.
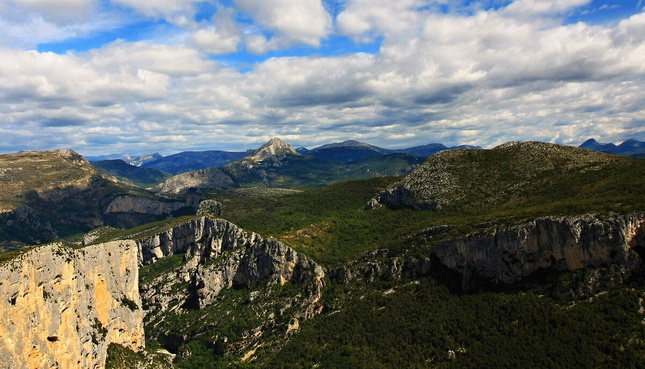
x,y
509,254
61,308
210,207
248,257
218,257
274,148
198,180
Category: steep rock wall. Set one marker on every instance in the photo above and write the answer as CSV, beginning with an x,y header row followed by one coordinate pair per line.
x,y
221,255
61,308
510,254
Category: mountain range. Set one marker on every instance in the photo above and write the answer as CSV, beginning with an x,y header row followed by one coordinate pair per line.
x,y
527,255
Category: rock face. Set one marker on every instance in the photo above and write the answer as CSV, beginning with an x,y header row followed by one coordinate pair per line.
x,y
249,257
508,255
219,256
61,308
198,180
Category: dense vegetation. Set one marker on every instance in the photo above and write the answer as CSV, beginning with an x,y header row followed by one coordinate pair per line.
x,y
421,324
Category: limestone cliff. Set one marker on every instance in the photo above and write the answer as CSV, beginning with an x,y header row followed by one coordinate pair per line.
x,y
509,254
219,257
61,308
249,257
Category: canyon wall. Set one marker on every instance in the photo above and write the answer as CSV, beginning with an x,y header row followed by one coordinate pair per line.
x,y
61,308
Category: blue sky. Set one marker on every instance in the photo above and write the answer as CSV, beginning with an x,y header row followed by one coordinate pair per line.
x,y
125,76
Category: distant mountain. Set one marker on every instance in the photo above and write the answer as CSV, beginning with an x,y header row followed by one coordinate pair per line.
x,y
384,165
278,164
630,147
141,177
347,151
193,160
137,161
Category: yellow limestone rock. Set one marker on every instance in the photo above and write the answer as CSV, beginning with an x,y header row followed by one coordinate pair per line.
x,y
61,308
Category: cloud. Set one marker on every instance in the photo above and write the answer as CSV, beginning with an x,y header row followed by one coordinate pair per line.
x,y
223,38
363,19
179,12
527,9
301,22
482,76
60,11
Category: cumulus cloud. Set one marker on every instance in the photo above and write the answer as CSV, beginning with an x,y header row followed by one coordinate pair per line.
x,y
223,37
301,22
363,19
478,77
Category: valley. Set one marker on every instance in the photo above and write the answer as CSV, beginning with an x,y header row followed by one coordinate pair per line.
x,y
525,255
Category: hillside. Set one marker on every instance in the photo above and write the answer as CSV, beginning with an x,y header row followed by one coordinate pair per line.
x,y
58,194
195,181
519,175
133,175
392,293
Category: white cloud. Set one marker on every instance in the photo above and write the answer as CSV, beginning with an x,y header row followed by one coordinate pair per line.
x,y
59,11
299,22
223,38
364,19
527,9
482,78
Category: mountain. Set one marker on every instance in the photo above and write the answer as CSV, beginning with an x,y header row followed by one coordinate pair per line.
x,y
516,173
137,161
275,149
134,175
536,260
630,147
57,194
195,181
277,164
193,160
347,151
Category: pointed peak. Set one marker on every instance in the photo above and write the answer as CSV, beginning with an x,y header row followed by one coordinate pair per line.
x,y
275,147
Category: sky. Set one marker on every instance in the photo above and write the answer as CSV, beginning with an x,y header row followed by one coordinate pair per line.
x,y
136,77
